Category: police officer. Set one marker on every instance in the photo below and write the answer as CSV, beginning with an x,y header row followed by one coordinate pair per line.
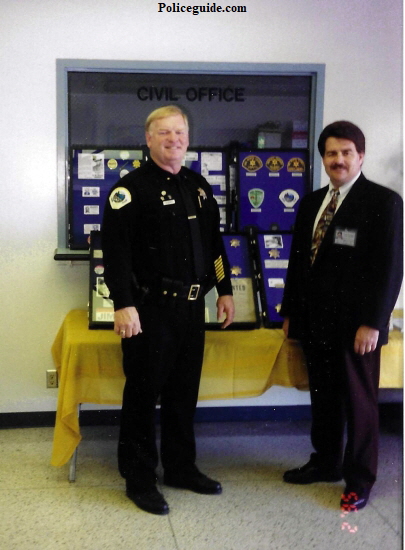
x,y
162,253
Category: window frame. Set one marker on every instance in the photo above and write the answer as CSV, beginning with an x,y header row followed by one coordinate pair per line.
x,y
64,66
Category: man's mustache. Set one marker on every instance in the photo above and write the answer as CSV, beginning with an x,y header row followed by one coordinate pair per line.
x,y
334,166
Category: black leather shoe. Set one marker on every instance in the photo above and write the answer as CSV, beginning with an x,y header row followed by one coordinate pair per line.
x,y
149,500
354,499
311,473
196,482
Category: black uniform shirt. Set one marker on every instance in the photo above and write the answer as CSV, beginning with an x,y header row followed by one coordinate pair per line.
x,y
146,233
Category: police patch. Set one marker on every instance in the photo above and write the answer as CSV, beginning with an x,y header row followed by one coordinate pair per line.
x,y
296,165
119,197
289,197
275,164
252,163
256,197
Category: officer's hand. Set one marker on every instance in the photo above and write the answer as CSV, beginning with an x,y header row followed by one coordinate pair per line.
x,y
126,322
225,305
366,340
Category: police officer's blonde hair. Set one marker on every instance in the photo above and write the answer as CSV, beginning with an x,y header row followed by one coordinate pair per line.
x,y
162,112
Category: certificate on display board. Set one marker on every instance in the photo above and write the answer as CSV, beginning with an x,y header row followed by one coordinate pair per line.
x,y
273,252
243,285
212,163
271,184
93,171
101,308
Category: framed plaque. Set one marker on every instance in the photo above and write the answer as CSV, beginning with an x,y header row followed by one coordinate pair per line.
x,y
272,253
270,186
93,171
243,285
101,308
212,163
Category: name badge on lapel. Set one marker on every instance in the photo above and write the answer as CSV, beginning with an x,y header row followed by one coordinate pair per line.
x,y
345,237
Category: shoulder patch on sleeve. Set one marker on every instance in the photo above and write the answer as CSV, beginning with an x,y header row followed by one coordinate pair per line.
x,y
119,197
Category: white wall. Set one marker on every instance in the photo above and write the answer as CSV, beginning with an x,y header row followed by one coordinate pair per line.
x,y
359,41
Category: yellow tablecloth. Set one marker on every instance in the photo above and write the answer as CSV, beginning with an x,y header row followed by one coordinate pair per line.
x,y
236,364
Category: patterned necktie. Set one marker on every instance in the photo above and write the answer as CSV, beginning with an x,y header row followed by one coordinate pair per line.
x,y
323,224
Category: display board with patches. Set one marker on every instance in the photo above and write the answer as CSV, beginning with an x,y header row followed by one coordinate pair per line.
x,y
244,287
272,255
93,172
271,184
212,163
101,308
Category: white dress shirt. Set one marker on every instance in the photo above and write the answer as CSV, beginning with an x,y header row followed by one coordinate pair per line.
x,y
343,191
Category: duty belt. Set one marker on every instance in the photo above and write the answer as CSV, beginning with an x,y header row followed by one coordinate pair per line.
x,y
191,292
172,289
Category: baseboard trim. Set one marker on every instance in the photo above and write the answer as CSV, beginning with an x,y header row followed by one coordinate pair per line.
x,y
391,416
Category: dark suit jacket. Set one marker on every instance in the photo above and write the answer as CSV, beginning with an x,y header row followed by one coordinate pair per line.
x,y
351,283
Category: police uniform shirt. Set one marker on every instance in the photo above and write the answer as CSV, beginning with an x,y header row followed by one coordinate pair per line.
x,y
146,232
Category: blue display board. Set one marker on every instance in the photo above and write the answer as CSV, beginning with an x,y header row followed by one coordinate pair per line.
x,y
212,163
271,184
93,171
244,286
272,252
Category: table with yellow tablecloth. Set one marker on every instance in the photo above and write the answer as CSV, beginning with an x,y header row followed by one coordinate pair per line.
x,y
236,364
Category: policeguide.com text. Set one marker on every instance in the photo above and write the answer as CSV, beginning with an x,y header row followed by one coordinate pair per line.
x,y
176,7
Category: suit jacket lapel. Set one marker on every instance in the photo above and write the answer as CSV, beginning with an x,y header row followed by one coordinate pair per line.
x,y
315,206
353,196
347,207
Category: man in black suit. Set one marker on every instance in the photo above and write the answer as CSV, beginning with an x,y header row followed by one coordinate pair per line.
x,y
343,280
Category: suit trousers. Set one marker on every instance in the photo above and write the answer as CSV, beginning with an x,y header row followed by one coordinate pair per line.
x,y
164,361
344,393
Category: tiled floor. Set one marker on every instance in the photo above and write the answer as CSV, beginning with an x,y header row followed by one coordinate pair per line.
x,y
41,510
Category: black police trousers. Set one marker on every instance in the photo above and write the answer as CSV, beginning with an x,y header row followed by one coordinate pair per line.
x,y
163,362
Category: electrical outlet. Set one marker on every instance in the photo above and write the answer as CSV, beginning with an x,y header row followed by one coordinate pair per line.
x,y
52,378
